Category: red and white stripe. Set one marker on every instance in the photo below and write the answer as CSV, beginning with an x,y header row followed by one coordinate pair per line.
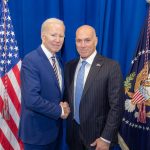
x,y
9,128
138,98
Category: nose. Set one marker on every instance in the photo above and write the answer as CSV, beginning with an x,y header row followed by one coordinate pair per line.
x,y
57,39
83,43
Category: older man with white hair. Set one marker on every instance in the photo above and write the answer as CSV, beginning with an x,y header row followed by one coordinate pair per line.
x,y
42,88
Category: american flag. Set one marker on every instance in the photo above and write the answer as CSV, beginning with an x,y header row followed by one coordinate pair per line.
x,y
138,97
10,96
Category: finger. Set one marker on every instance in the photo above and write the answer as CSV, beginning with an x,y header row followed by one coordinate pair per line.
x,y
67,109
66,112
61,103
66,104
93,144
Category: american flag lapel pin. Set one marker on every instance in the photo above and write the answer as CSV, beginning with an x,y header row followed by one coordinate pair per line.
x,y
98,65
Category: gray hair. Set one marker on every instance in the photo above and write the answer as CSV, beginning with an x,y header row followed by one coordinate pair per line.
x,y
49,21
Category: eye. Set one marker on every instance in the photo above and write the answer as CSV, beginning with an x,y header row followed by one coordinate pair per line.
x,y
53,35
78,40
61,36
87,40
56,35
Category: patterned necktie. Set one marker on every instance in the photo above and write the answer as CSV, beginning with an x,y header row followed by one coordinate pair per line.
x,y
55,68
79,90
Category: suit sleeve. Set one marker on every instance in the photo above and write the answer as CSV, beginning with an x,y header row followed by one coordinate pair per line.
x,y
30,90
116,103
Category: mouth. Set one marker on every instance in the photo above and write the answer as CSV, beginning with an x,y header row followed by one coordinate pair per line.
x,y
56,45
83,51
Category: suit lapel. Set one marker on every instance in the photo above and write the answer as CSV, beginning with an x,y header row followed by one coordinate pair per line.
x,y
48,65
72,75
95,68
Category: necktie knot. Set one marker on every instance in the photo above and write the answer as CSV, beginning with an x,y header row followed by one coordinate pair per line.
x,y
84,63
53,58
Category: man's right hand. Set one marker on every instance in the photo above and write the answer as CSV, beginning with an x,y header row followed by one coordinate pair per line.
x,y
66,109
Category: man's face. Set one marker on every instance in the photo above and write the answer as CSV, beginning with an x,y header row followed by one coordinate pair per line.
x,y
86,41
53,37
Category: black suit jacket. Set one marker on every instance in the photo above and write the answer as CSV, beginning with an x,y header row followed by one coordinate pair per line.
x,y
101,105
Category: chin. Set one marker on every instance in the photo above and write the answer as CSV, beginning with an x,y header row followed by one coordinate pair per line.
x,y
84,57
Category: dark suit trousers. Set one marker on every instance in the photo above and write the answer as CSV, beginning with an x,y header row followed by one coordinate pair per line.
x,y
76,141
51,146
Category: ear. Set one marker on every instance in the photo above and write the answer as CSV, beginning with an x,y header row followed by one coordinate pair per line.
x,y
96,41
43,37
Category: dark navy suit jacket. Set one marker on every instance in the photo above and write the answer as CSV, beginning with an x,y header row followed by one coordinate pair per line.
x,y
101,106
41,95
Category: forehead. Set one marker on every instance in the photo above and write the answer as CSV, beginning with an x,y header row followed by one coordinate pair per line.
x,y
84,33
55,27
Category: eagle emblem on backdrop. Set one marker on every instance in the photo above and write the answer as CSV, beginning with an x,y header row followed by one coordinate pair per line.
x,y
138,97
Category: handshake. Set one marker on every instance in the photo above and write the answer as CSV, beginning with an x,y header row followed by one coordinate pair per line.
x,y
66,109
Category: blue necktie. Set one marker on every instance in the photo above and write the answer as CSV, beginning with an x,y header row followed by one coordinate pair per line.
x,y
79,90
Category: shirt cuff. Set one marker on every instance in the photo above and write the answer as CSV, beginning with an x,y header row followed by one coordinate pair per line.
x,y
107,141
62,111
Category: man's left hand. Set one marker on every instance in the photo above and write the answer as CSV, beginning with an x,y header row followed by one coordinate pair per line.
x,y
100,144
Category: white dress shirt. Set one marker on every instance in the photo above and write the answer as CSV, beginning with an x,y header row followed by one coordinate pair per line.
x,y
49,55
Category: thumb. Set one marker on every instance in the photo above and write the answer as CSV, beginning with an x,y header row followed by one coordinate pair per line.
x,y
94,143
61,103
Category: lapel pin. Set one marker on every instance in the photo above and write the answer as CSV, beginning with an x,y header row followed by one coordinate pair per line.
x,y
98,65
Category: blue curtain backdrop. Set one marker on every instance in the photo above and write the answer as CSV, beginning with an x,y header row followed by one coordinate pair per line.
x,y
118,24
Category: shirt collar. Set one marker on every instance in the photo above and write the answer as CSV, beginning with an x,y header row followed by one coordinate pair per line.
x,y
90,59
46,52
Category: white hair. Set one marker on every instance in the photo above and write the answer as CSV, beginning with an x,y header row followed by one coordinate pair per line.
x,y
49,21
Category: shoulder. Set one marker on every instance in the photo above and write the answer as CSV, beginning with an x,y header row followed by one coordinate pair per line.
x,y
31,62
70,66
71,62
108,61
32,56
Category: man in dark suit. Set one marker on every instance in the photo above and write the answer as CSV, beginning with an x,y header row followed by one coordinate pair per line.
x,y
94,90
42,86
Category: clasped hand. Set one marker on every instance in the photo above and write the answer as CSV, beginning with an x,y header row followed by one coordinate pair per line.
x,y
66,109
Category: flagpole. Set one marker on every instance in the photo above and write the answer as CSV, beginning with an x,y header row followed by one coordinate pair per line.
x,y
147,37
